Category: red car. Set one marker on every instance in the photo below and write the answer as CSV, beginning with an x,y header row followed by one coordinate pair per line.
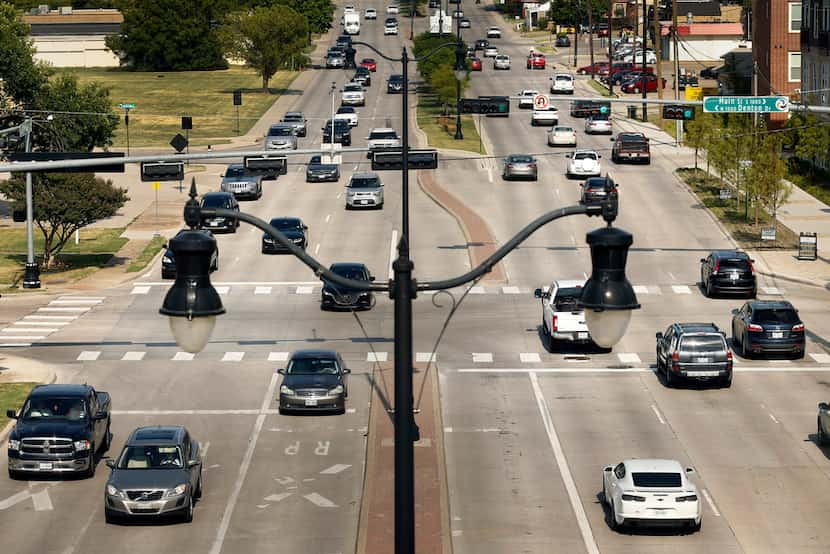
x,y
636,85
370,64
536,61
597,68
475,64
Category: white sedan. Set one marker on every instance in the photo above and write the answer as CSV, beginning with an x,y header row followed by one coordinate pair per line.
x,y
392,9
650,491
526,98
583,163
502,61
598,124
637,57
562,135
548,116
493,32
371,13
491,52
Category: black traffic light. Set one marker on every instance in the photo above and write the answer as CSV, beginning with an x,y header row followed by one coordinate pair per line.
x,y
267,165
162,171
237,97
682,113
488,105
187,122
392,159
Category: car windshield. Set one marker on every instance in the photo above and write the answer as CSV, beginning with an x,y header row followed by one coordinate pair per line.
x,y
657,480
286,224
315,160
585,156
312,366
374,135
353,88
521,159
564,78
340,125
235,171
702,343
148,456
600,117
70,409
394,78
280,132
364,182
216,202
345,109
292,117
368,60
563,130
776,315
349,272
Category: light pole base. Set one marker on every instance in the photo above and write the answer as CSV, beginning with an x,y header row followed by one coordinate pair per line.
x,y
458,134
31,276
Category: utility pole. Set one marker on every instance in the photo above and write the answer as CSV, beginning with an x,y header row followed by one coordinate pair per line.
x,y
31,275
678,125
591,38
754,93
643,54
657,38
610,47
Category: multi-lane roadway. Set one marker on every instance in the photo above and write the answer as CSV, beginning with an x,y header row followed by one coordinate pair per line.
x,y
527,431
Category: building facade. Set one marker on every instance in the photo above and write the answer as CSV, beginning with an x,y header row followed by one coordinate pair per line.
x,y
815,52
74,38
776,34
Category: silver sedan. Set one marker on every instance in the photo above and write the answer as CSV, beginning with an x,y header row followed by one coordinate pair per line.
x,y
519,165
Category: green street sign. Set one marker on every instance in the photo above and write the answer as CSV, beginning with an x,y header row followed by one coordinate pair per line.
x,y
746,104
127,106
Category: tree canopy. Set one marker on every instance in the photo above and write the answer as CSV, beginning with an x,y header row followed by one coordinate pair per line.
x,y
22,77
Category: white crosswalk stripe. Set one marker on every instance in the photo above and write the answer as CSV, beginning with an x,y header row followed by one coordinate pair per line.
x,y
771,290
477,290
133,356
262,290
305,290
510,290
42,324
377,356
140,290
52,317
182,357
821,358
223,290
530,358
88,355
277,356
425,357
233,356
63,309
681,289
628,358
74,302
482,357
640,289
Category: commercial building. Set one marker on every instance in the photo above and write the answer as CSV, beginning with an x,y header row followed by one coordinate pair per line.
x,y
74,38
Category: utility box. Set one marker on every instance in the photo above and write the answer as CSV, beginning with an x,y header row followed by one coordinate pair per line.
x,y
807,246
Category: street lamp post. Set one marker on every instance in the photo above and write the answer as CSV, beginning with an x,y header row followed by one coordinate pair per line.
x,y
31,274
460,74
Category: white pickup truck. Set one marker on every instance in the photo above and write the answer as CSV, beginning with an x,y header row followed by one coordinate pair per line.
x,y
563,317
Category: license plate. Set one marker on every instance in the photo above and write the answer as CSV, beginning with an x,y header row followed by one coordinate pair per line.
x,y
778,334
363,202
45,465
703,360
702,373
213,223
310,401
582,335
733,276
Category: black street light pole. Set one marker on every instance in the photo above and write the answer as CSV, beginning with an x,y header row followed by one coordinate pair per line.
x,y
460,73
643,52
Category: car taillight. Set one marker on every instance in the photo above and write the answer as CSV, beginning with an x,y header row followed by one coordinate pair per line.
x,y
754,327
798,327
687,498
729,358
717,266
633,498
614,191
675,359
751,268
553,324
508,165
532,165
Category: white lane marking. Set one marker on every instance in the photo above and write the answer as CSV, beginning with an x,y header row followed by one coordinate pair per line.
x,y
640,289
84,298
377,356
482,357
392,244
772,417
42,501
222,289
529,358
28,330
584,275
277,497
490,174
654,290
73,302
277,356
88,355
711,502
236,259
79,309
426,357
133,356
821,358
328,218
193,412
681,289
510,290
182,357
243,470
233,356
564,469
317,249
304,290
239,283
477,290
26,337
335,469
629,358
658,414
42,323
15,344
673,278
52,317
771,290
319,500
262,290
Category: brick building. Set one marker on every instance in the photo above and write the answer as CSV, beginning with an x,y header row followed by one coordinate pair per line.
x,y
815,52
776,46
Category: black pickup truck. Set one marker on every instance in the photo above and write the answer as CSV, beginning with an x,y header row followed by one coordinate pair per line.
x,y
60,429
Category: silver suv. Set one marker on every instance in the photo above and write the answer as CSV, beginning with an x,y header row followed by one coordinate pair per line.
x,y
281,137
296,120
694,351
240,183
364,190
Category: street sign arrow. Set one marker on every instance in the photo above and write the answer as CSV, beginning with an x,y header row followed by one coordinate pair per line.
x,y
40,500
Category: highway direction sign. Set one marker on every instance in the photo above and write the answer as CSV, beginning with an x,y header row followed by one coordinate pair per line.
x,y
127,106
746,104
541,101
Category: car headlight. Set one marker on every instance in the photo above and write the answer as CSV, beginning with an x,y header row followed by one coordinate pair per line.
x,y
337,390
82,445
167,260
297,240
219,219
112,491
286,391
176,491
14,444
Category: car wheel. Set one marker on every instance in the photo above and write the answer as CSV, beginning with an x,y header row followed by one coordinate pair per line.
x,y
614,524
821,436
671,380
110,516
90,470
604,498
547,339
107,439
198,492
708,293
754,293
215,265
14,475
744,351
727,381
799,355
187,517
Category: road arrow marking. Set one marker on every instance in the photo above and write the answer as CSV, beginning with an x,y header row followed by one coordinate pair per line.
x,y
40,499
335,469
277,497
320,501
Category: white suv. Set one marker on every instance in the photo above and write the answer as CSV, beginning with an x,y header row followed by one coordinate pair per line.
x,y
352,95
562,83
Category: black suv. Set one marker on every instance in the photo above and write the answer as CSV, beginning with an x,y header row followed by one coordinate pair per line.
x,y
595,189
394,84
334,296
728,271
694,351
220,200
768,326
482,43
342,132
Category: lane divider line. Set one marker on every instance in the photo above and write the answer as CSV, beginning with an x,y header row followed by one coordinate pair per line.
x,y
392,245
711,502
657,413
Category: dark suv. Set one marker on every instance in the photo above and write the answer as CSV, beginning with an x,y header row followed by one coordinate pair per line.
x,y
694,351
342,132
768,326
728,271
224,200
395,84
631,147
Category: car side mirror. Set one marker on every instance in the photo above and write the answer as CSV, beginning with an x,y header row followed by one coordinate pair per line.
x,y
164,245
371,277
11,414
703,260
567,155
612,140
281,371
346,370
751,261
690,470
734,311
110,463
192,463
305,227
222,175
598,156
658,335
537,293
100,415
607,468
823,406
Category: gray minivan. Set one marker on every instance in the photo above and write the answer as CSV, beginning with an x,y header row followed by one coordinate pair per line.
x,y
694,351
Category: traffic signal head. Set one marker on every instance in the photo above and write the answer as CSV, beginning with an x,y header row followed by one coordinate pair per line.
x,y
488,105
162,171
678,112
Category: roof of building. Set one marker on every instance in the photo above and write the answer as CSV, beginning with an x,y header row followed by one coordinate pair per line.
x,y
706,29
697,7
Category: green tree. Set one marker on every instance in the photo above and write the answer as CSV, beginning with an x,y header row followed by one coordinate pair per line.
x,y
22,76
767,176
318,13
812,138
427,42
700,131
63,203
168,35
266,38
72,131
444,84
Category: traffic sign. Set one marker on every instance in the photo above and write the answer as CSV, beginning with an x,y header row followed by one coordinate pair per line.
x,y
127,106
746,104
156,185
541,102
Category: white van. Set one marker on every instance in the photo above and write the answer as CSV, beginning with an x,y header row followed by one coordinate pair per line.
x,y
351,23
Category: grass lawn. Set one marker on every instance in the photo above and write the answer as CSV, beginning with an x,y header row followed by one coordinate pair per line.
x,y
146,255
440,130
162,98
12,396
669,126
731,214
597,86
95,248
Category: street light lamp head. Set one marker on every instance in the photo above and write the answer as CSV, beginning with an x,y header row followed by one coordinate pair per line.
x,y
192,303
608,297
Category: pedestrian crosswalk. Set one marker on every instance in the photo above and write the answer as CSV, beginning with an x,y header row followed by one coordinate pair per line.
x,y
53,317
